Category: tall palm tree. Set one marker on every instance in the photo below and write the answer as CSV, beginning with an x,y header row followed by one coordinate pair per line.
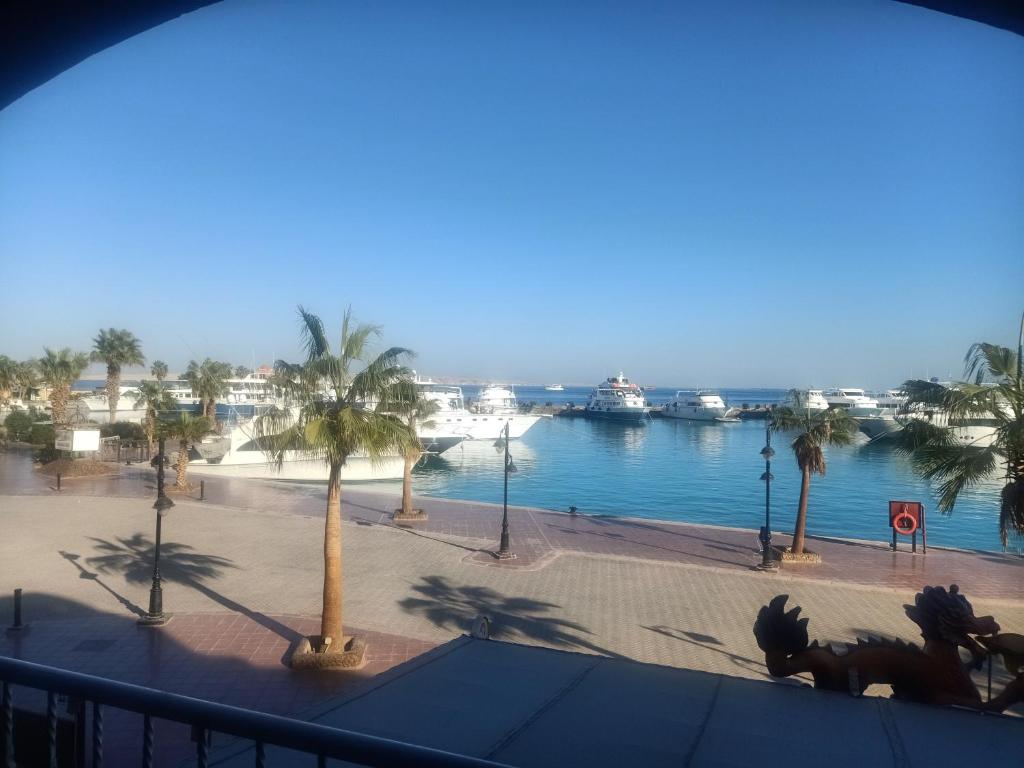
x,y
116,348
155,399
338,411
816,429
209,381
994,392
60,369
187,429
159,370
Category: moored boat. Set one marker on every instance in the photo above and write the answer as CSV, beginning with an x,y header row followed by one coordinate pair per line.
x,y
697,405
617,399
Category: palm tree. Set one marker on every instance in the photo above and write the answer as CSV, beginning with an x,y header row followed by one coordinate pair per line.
x,y
8,378
154,398
116,348
338,412
26,378
241,371
186,429
816,429
209,382
159,370
417,411
60,370
993,392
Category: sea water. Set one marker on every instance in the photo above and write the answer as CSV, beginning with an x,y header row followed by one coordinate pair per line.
x,y
702,472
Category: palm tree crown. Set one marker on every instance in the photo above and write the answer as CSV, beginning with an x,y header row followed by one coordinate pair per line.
x,y
993,391
209,381
187,430
156,400
159,370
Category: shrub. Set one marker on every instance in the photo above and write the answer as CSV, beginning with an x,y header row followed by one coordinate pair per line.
x,y
126,430
41,434
19,425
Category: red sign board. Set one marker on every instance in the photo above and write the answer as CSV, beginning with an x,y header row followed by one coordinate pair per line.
x,y
905,516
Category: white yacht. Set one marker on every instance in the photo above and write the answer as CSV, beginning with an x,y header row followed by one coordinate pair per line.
x,y
554,388
237,453
814,399
453,417
496,399
617,399
890,398
853,400
697,405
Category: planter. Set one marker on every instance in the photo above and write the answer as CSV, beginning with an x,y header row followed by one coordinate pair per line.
x,y
417,516
787,556
350,654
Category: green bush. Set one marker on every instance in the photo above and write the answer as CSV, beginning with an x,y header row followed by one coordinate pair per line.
x,y
41,434
19,425
126,430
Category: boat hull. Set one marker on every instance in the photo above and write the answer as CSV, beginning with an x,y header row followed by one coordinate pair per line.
x,y
356,469
695,414
632,416
478,426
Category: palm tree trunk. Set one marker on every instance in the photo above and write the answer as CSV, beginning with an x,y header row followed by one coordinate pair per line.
x,y
182,465
410,459
801,512
59,404
330,618
113,392
150,428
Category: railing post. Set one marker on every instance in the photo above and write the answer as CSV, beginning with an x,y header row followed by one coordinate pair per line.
x,y
7,718
58,481
17,625
202,490
97,735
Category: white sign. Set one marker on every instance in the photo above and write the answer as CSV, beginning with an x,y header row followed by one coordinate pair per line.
x,y
78,440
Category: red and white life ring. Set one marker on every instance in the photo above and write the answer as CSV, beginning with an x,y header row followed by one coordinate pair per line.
x,y
904,523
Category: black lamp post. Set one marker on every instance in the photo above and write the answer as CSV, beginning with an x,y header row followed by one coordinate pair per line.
x,y
156,616
767,561
504,552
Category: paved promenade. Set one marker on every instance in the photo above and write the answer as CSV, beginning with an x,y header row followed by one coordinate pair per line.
x,y
243,576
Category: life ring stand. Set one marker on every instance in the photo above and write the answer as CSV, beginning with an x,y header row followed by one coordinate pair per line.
x,y
909,519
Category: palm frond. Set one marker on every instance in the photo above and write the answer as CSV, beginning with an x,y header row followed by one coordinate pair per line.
x,y
314,338
955,466
985,361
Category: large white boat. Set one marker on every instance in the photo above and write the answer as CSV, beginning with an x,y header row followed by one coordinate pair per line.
x,y
496,399
237,453
696,405
617,399
554,388
453,417
854,400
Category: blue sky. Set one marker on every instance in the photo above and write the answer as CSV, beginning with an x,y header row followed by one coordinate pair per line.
x,y
729,194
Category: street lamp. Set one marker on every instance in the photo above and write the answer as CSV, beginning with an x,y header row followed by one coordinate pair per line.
x,y
767,561
156,616
504,552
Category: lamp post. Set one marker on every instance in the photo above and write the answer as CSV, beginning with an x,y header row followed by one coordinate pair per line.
x,y
156,617
767,561
504,552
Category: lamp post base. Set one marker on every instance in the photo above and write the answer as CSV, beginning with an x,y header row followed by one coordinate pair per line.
x,y
154,621
772,567
505,555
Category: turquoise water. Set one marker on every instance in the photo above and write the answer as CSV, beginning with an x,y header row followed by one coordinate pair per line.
x,y
702,473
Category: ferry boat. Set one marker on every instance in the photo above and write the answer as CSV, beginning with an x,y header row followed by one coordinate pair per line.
x,y
617,399
697,405
554,388
453,417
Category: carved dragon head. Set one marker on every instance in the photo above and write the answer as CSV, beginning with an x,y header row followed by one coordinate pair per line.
x,y
948,617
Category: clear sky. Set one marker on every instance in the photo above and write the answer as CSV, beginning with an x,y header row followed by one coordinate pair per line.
x,y
728,194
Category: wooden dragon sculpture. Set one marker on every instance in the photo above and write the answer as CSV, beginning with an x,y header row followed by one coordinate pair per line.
x,y
934,674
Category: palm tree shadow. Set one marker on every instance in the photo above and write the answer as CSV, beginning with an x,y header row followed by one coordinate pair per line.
x,y
708,643
132,558
84,573
517,619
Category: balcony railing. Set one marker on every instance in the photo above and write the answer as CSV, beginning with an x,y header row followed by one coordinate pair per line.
x,y
205,717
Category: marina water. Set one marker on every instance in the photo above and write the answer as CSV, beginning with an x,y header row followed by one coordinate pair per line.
x,y
696,472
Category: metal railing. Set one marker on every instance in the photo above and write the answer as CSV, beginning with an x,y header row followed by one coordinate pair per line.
x,y
205,717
